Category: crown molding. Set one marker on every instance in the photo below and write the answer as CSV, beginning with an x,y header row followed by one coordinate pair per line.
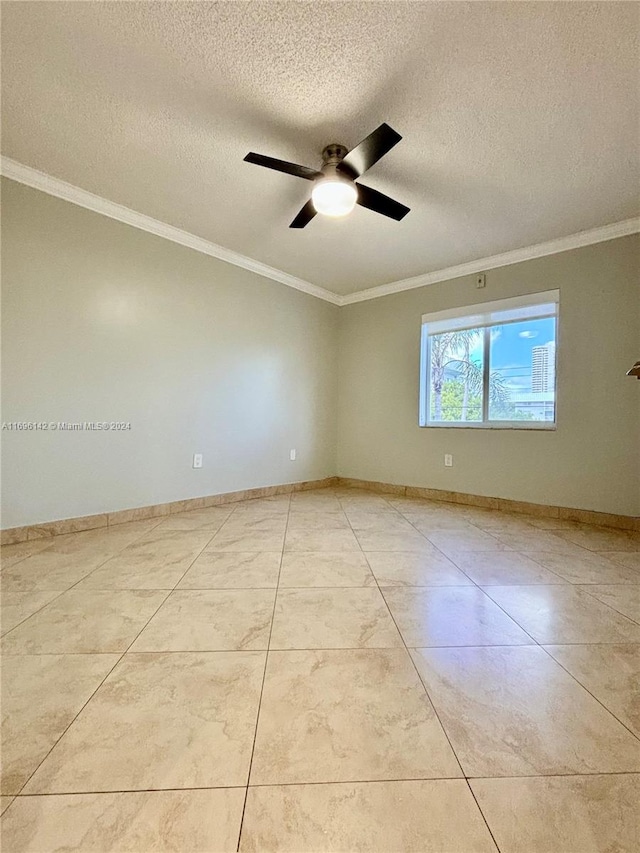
x,y
515,256
68,192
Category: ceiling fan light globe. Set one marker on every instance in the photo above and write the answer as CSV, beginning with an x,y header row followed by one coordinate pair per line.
x,y
334,197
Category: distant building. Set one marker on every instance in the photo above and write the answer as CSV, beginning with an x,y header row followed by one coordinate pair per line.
x,y
540,405
543,368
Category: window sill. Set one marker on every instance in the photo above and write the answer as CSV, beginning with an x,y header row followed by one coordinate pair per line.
x,y
528,425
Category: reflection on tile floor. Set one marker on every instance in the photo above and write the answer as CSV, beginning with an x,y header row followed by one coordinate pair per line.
x,y
334,670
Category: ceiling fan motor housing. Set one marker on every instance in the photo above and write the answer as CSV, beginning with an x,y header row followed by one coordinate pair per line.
x,y
332,154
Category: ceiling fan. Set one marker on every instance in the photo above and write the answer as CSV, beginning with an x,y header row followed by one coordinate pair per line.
x,y
335,191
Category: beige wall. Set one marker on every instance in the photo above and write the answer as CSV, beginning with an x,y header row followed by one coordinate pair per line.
x,y
104,322
592,460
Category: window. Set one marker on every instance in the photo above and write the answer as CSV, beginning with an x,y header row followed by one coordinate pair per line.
x,y
491,365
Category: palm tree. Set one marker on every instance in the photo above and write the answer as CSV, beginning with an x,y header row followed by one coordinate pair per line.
x,y
454,348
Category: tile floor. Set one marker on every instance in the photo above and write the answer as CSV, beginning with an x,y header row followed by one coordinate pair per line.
x,y
331,671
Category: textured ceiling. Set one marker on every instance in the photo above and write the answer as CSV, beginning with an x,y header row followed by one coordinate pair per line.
x,y
520,120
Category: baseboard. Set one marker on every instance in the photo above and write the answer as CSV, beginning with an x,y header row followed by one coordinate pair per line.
x,y
584,516
109,519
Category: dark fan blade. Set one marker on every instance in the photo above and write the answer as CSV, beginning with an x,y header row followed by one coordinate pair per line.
x,y
283,166
369,151
305,216
381,203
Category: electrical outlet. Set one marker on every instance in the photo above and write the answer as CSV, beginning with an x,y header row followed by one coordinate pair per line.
x,y
197,460
481,280
448,460
292,455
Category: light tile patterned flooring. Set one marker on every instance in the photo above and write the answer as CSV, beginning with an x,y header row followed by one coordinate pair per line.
x,y
331,671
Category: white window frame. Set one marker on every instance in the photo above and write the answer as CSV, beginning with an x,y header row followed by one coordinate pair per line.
x,y
485,315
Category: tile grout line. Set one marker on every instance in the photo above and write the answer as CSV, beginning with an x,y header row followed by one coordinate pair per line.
x,y
327,648
84,577
477,585
563,581
79,533
80,710
585,775
125,652
277,588
431,701
584,687
22,621
617,562
171,591
57,741
483,586
540,645
615,610
482,814
169,533
536,643
421,680
264,677
578,583
408,653
227,499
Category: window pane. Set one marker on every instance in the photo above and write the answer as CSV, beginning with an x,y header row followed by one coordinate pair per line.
x,y
522,371
455,376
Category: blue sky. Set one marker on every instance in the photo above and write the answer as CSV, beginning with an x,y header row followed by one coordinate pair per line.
x,y
511,347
